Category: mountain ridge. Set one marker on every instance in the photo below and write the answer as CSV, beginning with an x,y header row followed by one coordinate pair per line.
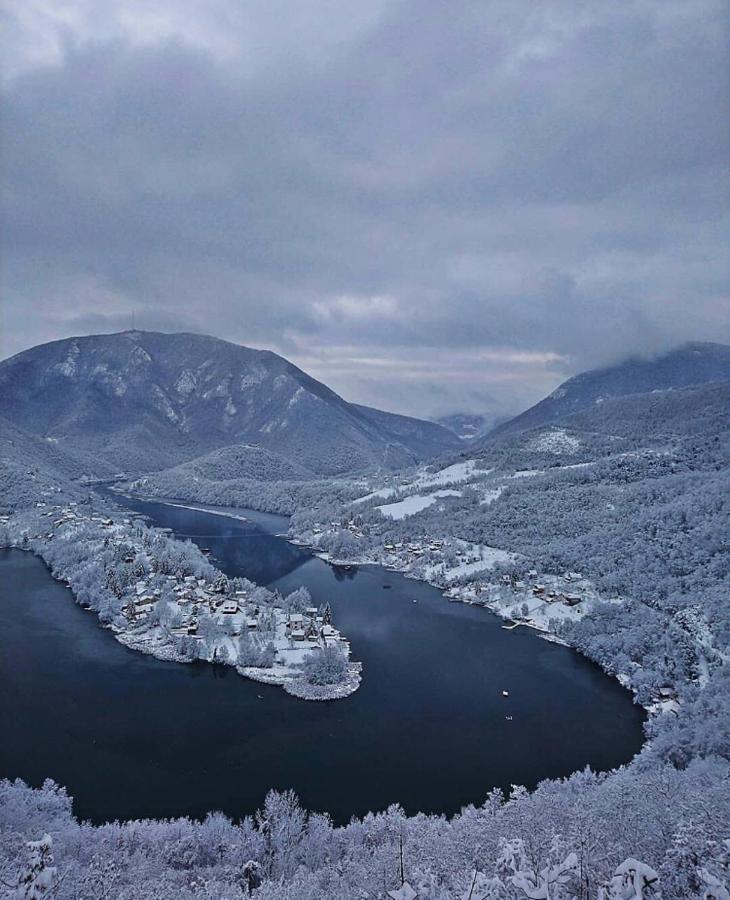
x,y
148,400
688,365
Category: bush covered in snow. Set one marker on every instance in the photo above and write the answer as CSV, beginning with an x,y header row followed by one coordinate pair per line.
x,y
326,666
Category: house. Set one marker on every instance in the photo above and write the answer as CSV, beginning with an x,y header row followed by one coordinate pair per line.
x,y
297,634
572,599
229,607
538,589
252,624
295,620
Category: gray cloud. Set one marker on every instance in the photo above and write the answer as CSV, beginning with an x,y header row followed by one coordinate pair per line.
x,y
430,206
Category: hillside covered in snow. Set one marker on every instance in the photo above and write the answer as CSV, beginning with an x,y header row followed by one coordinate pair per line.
x,y
140,401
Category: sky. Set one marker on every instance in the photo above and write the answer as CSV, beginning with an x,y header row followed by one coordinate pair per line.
x,y
433,207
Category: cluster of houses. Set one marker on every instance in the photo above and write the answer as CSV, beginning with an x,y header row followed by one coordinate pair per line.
x,y
547,593
63,515
413,550
352,525
313,627
217,612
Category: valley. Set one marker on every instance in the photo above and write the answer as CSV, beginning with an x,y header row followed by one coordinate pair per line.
x,y
470,615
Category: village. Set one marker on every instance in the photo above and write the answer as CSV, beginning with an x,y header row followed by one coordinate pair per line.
x,y
463,570
200,614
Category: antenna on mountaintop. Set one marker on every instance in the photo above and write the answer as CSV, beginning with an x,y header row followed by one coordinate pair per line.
x,y
133,324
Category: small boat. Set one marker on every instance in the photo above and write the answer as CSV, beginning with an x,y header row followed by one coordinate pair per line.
x,y
505,693
387,587
508,718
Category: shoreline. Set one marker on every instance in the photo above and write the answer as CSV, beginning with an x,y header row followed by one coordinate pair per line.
x,y
148,645
451,595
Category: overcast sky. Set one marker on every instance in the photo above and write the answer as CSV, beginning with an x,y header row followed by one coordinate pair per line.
x,y
431,206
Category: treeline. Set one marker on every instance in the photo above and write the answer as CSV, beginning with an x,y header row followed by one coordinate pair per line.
x,y
567,839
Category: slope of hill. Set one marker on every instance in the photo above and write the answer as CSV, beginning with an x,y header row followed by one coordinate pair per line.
x,y
240,461
677,421
687,366
632,493
142,401
34,467
241,476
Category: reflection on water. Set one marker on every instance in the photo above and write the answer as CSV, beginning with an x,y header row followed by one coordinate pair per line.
x,y
429,728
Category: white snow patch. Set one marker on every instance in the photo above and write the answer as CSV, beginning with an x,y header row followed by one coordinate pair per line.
x,y
186,382
454,474
254,377
412,505
68,366
490,495
487,558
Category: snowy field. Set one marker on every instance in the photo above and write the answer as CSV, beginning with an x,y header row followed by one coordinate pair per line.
x,y
412,505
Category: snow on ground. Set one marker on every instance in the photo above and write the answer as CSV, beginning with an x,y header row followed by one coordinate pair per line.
x,y
473,558
527,473
455,474
412,505
458,473
555,441
489,495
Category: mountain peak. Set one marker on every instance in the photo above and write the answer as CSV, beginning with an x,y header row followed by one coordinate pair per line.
x,y
143,400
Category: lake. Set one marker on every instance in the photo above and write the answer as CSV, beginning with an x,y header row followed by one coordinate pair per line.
x,y
131,736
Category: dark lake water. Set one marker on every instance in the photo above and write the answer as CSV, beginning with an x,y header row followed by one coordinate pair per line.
x,y
132,736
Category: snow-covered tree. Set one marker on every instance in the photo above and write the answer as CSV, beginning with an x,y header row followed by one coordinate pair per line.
x,y
40,875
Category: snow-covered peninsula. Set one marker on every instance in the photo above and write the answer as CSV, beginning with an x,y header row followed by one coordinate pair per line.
x,y
163,597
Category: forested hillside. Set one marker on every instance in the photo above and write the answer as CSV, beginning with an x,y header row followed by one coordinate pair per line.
x,y
140,401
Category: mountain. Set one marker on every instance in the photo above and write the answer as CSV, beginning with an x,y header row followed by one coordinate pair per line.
x,y
678,424
141,401
688,366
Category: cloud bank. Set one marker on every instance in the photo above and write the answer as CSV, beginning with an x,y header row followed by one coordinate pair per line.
x,y
432,207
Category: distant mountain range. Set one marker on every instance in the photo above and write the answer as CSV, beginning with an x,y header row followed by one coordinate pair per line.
x,y
687,366
470,426
141,401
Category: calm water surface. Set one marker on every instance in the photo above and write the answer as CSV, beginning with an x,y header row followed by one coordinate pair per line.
x,y
132,736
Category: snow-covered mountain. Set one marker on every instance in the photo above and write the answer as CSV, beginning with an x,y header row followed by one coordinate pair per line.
x,y
143,400
687,366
